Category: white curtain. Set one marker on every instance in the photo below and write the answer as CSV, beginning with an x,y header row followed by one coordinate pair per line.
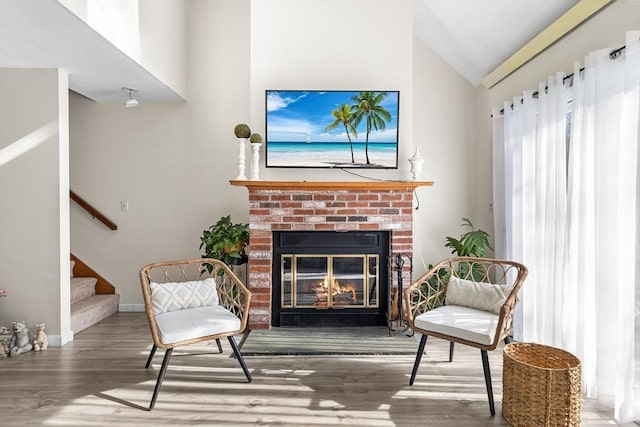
x,y
567,206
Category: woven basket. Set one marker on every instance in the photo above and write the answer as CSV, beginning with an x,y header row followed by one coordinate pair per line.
x,y
541,386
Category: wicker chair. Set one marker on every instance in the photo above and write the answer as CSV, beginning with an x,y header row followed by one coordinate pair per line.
x,y
464,300
191,301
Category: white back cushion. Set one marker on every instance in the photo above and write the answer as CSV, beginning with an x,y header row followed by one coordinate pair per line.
x,y
478,295
170,296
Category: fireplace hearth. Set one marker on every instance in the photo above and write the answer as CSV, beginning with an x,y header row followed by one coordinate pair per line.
x,y
325,278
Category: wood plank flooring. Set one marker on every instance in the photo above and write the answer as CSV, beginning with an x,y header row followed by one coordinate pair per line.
x,y
99,380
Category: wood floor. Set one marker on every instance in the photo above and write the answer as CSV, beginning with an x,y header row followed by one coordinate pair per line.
x,y
99,380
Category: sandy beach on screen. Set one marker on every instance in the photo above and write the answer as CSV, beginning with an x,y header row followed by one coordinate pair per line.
x,y
330,163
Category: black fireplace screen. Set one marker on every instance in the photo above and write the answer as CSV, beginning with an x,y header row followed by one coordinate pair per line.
x,y
329,281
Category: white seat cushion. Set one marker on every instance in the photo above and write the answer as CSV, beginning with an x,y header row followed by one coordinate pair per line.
x,y
190,323
462,322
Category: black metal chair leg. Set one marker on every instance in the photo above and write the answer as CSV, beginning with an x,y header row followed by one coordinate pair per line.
x,y
245,335
163,370
451,346
219,345
236,351
487,380
508,339
423,341
151,354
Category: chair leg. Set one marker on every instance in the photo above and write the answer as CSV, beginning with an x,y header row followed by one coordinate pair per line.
x,y
423,341
163,370
219,345
487,380
234,347
451,346
245,335
151,354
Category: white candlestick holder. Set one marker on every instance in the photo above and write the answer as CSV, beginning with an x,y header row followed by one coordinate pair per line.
x,y
241,160
255,161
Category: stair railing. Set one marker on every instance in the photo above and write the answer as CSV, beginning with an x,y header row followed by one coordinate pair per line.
x,y
81,269
92,211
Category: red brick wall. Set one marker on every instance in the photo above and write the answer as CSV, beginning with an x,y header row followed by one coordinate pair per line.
x,y
322,210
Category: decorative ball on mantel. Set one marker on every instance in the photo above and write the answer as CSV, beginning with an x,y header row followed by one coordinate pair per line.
x,y
242,131
255,138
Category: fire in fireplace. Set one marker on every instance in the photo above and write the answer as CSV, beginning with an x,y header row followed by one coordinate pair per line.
x,y
330,278
329,281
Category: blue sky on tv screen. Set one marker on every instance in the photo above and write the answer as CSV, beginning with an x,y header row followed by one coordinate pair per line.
x,y
303,116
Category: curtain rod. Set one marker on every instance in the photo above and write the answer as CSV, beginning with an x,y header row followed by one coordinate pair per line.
x,y
614,54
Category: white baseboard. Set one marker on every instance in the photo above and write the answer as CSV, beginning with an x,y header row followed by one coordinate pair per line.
x,y
137,308
60,340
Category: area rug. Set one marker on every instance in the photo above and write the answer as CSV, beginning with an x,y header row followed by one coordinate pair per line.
x,y
365,340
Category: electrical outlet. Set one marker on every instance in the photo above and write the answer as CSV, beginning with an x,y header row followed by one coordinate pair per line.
x,y
124,205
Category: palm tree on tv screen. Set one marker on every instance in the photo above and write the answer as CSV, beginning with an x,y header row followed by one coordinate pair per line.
x,y
344,116
367,104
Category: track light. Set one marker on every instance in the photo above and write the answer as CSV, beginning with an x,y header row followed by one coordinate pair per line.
x,y
131,102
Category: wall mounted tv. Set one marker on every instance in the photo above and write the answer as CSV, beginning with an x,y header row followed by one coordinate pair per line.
x,y
332,129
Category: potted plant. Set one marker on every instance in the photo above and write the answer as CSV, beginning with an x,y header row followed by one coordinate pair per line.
x,y
472,243
225,241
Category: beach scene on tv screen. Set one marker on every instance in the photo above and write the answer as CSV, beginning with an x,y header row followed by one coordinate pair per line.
x,y
345,129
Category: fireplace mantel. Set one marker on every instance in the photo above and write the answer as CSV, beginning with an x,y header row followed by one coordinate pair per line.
x,y
333,185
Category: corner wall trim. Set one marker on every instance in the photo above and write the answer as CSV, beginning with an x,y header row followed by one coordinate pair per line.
x,y
573,18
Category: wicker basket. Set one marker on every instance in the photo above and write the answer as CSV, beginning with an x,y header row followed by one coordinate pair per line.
x,y
540,386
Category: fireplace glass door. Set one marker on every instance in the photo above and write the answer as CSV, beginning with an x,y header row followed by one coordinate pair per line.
x,y
329,281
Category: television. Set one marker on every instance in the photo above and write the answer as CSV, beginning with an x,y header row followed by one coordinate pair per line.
x,y
331,129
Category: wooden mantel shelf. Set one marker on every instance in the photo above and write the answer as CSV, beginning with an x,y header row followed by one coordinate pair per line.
x,y
333,185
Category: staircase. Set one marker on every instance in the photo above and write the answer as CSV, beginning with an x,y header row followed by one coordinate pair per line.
x,y
87,307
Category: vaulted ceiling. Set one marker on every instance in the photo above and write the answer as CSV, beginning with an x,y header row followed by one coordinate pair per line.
x,y
473,36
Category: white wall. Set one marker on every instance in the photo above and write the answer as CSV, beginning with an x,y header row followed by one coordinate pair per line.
x,y
174,163
34,197
151,32
605,30
443,120
163,41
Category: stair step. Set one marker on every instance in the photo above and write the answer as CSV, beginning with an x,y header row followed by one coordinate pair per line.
x,y
82,287
90,311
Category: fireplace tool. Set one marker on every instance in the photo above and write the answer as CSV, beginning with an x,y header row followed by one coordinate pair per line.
x,y
396,320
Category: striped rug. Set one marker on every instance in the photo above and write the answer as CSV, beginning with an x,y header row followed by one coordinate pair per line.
x,y
365,340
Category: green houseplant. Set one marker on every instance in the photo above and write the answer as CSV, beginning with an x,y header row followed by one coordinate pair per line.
x,y
472,243
225,241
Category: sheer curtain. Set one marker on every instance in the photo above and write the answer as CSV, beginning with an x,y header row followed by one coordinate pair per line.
x,y
567,206
530,201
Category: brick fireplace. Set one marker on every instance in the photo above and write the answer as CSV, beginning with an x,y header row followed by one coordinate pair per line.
x,y
321,206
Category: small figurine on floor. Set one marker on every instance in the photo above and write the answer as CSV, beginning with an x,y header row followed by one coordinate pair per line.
x,y
4,348
20,342
41,342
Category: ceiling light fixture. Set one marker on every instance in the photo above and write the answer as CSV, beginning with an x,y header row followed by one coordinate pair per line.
x,y
131,102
